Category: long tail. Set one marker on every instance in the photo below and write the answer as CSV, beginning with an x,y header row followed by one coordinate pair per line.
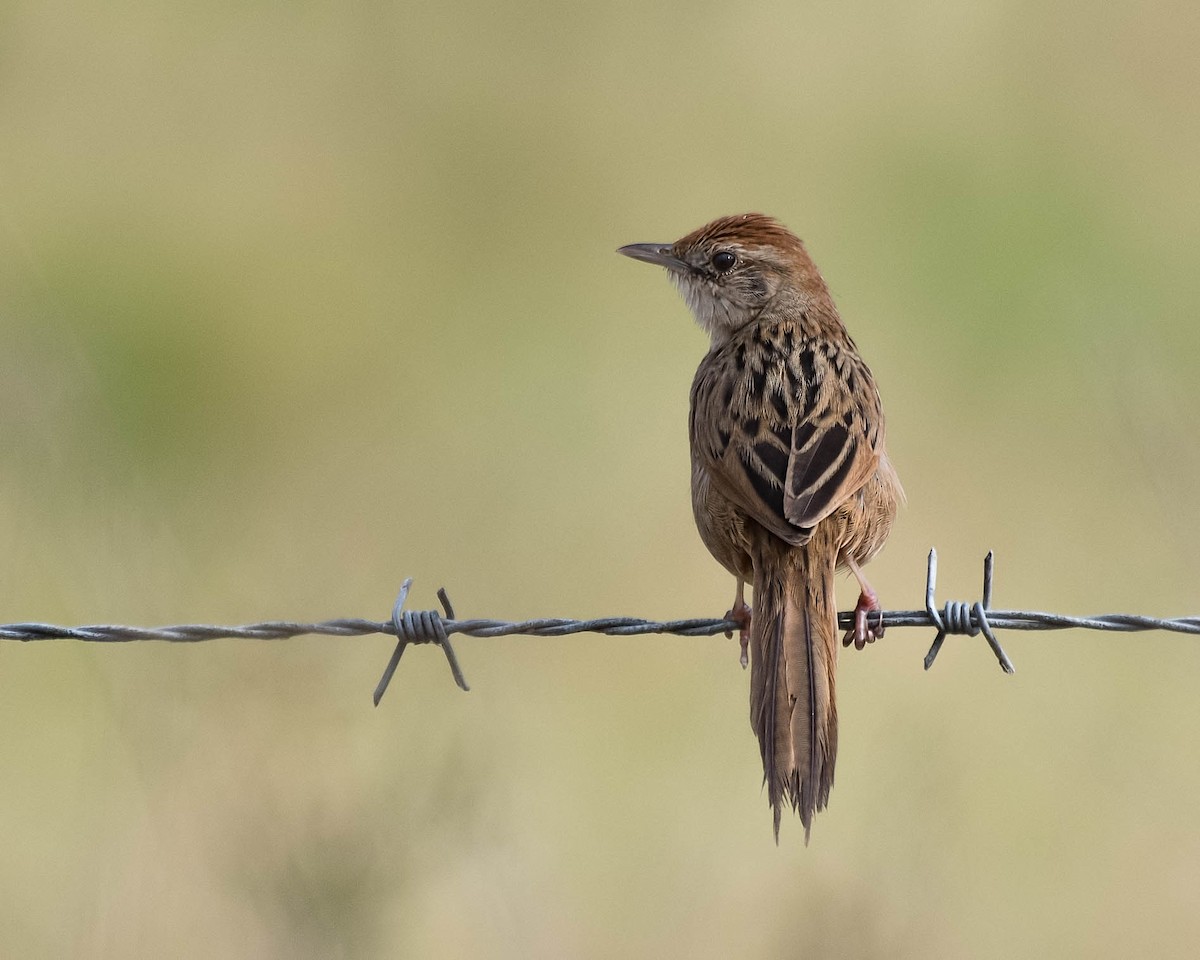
x,y
793,640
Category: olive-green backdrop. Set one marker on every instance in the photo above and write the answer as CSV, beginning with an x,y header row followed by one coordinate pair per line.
x,y
298,300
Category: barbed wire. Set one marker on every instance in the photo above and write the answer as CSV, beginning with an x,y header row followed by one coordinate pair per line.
x,y
429,626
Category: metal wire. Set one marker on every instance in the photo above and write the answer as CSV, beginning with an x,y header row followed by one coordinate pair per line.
x,y
429,626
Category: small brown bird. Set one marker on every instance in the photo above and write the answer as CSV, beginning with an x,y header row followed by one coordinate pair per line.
x,y
790,479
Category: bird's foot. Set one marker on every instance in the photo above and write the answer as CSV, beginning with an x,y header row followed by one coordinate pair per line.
x,y
741,614
863,633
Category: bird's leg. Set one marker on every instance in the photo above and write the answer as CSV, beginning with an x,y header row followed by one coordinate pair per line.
x,y
741,614
861,634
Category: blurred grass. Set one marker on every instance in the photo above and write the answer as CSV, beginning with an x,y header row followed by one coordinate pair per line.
x,y
296,301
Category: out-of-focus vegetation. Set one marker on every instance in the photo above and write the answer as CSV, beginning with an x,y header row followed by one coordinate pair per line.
x,y
299,300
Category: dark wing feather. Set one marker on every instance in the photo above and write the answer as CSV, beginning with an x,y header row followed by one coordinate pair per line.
x,y
826,469
798,431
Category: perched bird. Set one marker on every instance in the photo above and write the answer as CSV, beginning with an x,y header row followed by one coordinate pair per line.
x,y
790,479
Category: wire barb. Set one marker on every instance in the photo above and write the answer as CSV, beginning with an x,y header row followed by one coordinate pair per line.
x,y
961,618
419,626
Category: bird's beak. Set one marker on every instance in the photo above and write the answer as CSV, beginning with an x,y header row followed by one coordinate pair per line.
x,y
660,254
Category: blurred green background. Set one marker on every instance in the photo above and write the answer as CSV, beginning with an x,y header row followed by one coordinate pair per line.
x,y
297,300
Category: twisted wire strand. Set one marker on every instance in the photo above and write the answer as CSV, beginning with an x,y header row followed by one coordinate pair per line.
x,y
559,627
357,627
429,626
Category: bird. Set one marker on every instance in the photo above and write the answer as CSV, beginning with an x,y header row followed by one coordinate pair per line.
x,y
790,480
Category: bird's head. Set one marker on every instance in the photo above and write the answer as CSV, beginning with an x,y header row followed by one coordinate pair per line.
x,y
731,269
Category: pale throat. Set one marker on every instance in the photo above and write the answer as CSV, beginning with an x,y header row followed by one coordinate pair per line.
x,y
715,315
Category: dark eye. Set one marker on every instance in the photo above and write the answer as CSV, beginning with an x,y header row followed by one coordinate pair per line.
x,y
723,261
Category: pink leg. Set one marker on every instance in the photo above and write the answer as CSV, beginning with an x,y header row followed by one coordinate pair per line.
x,y
862,634
740,614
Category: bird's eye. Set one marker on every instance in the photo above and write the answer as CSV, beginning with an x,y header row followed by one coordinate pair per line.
x,y
723,261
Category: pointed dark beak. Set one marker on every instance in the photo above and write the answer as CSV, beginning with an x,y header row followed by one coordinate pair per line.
x,y
660,254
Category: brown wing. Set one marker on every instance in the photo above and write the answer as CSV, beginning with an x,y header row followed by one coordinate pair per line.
x,y
830,461
787,430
